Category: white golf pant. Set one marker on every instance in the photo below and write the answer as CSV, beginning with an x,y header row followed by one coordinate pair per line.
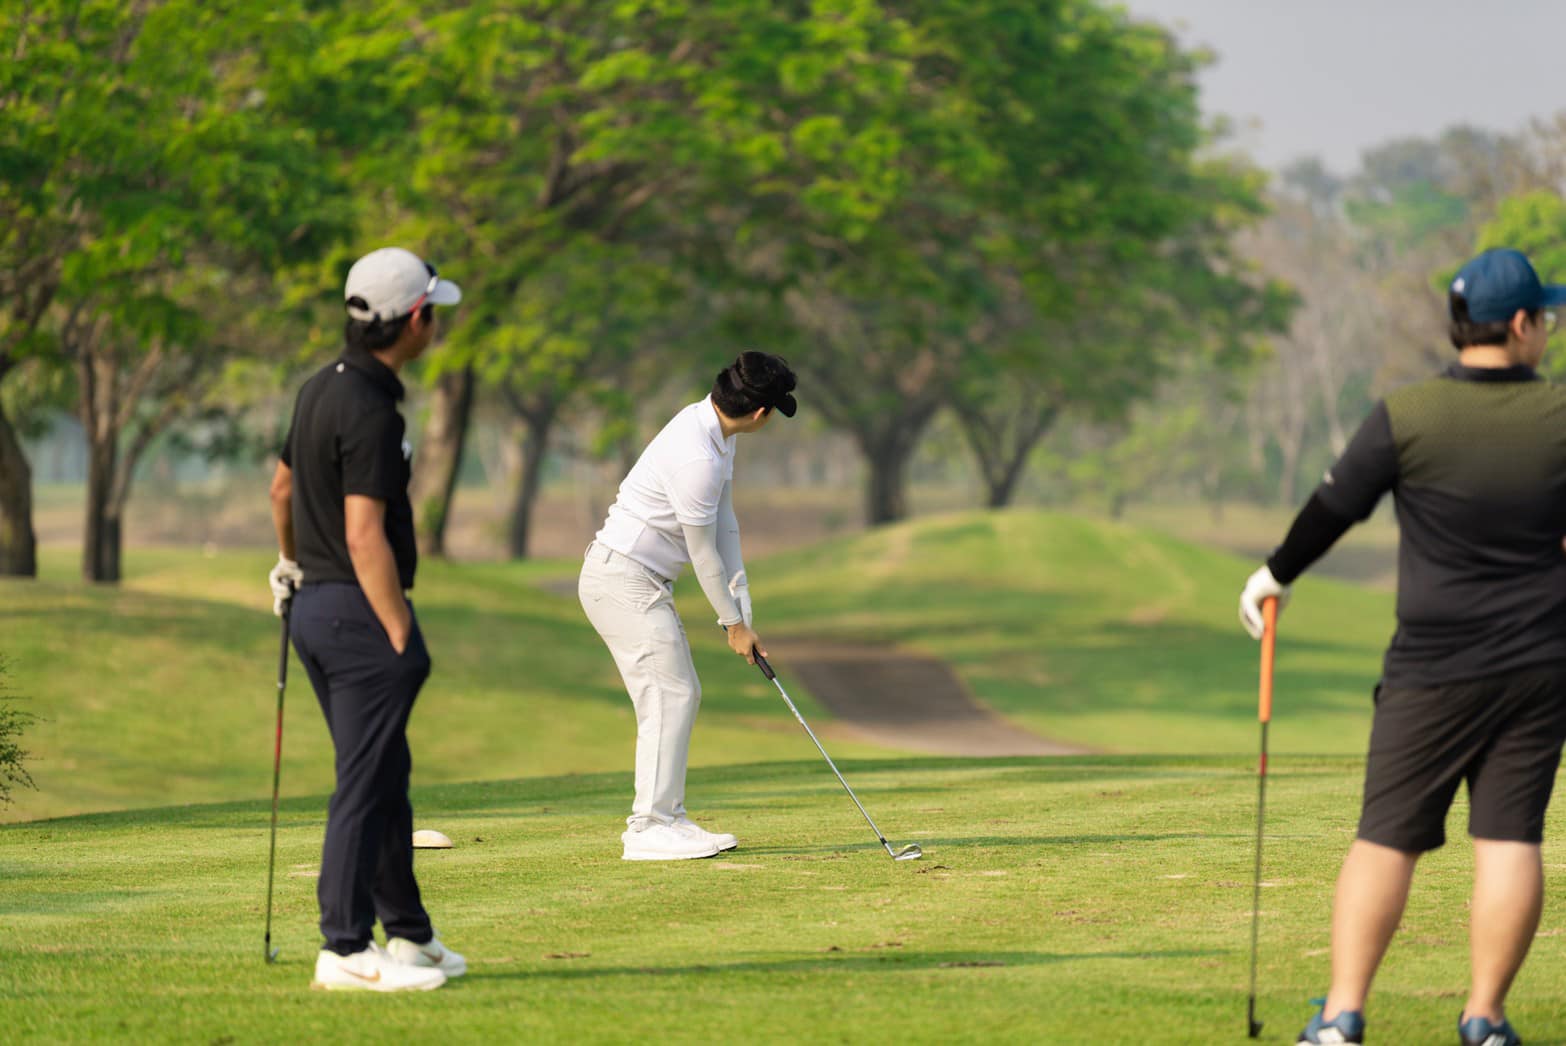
x,y
633,610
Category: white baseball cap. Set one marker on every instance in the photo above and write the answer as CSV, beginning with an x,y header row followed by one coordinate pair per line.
x,y
392,282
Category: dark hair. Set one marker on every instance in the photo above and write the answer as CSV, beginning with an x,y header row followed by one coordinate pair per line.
x,y
755,380
374,335
1465,332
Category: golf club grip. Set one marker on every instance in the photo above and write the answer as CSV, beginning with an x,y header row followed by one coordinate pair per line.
x,y
766,669
1269,645
282,658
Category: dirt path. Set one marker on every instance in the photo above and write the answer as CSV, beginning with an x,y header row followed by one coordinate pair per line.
x,y
889,697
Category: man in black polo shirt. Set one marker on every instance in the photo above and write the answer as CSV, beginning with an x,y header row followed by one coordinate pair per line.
x,y
1473,686
345,531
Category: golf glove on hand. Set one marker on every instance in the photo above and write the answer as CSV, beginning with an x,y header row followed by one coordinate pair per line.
x,y
1260,586
285,579
739,588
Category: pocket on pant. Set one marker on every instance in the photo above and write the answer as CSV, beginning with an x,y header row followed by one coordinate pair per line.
x,y
415,657
631,589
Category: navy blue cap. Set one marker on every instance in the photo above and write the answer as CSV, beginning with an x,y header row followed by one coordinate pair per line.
x,y
1499,282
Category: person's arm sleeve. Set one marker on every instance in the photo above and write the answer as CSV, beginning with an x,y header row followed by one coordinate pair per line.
x,y
1367,469
1348,494
372,456
695,490
286,455
707,564
729,534
1315,530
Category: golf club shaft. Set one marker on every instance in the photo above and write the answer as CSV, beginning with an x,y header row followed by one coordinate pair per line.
x,y
277,775
766,669
1264,715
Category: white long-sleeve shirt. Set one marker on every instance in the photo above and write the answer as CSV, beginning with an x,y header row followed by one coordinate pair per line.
x,y
680,480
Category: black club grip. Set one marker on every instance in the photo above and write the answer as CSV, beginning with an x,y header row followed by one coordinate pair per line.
x,y
761,663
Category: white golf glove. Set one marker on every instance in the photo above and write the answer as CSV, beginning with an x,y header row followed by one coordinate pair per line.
x,y
285,579
1258,587
739,588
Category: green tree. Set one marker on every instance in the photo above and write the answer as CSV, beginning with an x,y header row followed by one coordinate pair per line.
x,y
168,189
1046,149
1534,223
721,138
575,324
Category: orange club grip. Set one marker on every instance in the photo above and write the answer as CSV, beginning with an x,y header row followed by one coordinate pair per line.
x,y
1269,642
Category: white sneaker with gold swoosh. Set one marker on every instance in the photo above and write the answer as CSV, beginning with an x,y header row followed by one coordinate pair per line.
x,y
430,953
372,970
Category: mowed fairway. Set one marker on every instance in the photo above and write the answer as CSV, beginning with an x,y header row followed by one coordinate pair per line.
x,y
1087,900
1101,898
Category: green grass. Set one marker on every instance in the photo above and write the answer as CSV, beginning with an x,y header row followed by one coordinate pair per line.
x,y
163,690
1095,899
1102,899
1106,635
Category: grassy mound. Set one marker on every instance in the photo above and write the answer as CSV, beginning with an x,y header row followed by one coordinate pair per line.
x,y
162,690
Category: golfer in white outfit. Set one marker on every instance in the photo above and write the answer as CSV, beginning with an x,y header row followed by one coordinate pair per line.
x,y
676,507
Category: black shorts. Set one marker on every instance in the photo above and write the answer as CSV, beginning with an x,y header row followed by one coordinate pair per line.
x,y
1502,735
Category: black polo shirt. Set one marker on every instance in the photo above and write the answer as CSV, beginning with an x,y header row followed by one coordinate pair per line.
x,y
347,438
1476,463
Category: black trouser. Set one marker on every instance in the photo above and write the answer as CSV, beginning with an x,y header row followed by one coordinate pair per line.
x,y
366,691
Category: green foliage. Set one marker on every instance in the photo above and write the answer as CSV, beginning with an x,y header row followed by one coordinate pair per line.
x,y
1535,223
12,755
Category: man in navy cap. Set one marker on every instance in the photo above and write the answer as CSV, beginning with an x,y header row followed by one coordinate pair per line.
x,y
1473,686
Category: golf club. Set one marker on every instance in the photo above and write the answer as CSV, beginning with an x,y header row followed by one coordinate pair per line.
x,y
1264,713
277,770
910,852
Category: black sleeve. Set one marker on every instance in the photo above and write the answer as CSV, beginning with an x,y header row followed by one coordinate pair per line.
x,y
1367,469
372,455
286,455
1315,530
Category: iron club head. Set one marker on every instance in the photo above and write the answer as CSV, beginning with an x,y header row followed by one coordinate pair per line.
x,y
271,954
1250,1017
911,852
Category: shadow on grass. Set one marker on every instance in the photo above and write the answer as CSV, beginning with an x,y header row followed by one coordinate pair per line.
x,y
583,793
940,849
883,962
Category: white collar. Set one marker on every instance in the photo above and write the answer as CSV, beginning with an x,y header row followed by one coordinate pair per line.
x,y
707,413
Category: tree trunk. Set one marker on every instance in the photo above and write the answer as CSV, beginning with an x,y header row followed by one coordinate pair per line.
x,y
101,542
886,493
1003,483
1000,491
18,542
535,442
440,458
1289,476
888,448
1002,443
886,485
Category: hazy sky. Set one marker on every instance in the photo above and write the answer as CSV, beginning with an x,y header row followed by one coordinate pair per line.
x,y
1331,77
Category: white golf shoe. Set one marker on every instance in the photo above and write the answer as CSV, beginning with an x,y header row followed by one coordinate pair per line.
x,y
724,840
667,842
372,970
431,953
